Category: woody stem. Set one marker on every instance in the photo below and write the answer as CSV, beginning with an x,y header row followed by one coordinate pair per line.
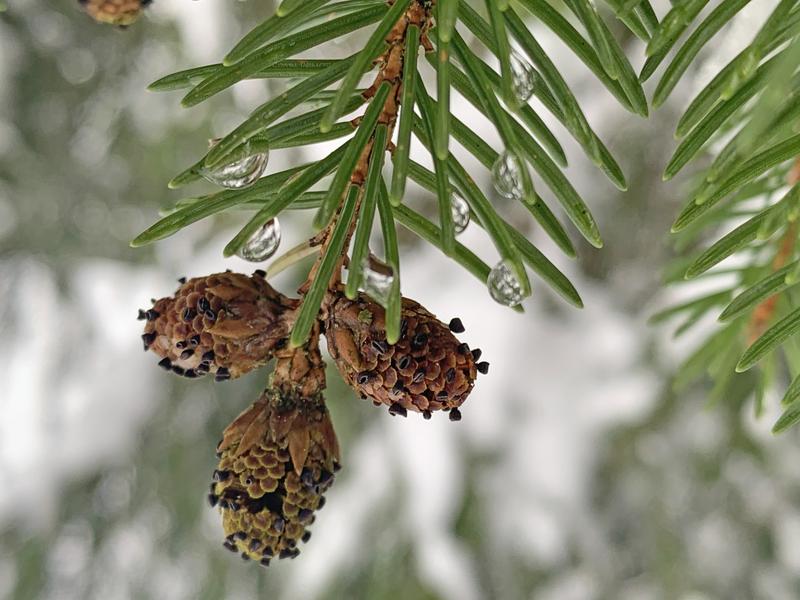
x,y
419,13
764,312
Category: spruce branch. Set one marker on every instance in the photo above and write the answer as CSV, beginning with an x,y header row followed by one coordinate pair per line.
x,y
746,203
375,129
764,312
353,181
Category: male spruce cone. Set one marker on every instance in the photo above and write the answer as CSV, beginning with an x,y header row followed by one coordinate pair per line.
x,y
428,369
225,324
275,462
115,12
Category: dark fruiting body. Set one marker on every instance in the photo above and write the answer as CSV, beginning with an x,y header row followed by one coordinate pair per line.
x,y
428,369
225,324
456,326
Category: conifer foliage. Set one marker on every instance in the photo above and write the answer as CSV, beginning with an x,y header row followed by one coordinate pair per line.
x,y
743,205
416,56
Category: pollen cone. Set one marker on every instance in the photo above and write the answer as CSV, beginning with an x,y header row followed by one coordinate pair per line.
x,y
115,12
276,460
224,324
428,369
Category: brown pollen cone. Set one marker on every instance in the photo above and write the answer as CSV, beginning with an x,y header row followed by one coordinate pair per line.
x,y
114,12
225,324
428,369
276,460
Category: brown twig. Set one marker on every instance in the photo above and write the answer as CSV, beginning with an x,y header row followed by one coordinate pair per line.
x,y
764,312
419,13
300,372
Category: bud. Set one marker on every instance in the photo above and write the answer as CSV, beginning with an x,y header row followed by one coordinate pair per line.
x,y
276,460
225,324
115,12
428,369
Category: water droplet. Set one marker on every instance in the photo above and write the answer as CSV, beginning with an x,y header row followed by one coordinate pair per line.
x,y
460,210
263,242
507,176
240,173
377,280
524,77
504,286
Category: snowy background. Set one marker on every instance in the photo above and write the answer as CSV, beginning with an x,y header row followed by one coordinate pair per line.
x,y
576,472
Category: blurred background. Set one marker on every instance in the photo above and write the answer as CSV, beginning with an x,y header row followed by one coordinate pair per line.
x,y
576,472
